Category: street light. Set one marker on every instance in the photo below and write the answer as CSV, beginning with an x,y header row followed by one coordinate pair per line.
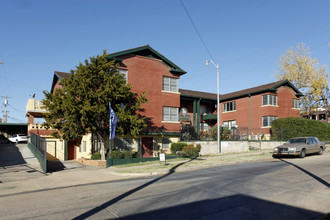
x,y
218,104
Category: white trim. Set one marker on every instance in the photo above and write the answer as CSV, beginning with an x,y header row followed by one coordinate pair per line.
x,y
171,92
171,122
270,106
229,112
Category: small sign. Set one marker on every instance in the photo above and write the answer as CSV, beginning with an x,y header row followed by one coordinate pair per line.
x,y
162,157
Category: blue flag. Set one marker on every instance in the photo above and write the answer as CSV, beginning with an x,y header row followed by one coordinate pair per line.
x,y
112,122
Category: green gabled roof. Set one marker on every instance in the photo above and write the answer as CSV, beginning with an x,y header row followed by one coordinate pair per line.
x,y
271,87
148,51
260,89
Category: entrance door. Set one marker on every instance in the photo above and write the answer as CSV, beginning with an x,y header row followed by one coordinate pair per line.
x,y
147,147
71,150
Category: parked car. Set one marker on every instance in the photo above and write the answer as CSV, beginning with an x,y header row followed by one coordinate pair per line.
x,y
18,138
300,146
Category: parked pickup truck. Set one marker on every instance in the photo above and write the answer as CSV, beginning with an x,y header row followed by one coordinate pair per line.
x,y
300,146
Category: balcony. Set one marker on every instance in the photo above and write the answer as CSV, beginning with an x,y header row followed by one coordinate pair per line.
x,y
35,108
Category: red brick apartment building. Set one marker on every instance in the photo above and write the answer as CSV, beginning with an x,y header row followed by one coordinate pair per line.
x,y
252,109
169,108
147,71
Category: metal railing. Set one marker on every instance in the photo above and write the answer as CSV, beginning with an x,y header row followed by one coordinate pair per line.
x,y
38,147
188,133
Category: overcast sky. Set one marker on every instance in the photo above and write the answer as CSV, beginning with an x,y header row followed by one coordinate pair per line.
x,y
246,39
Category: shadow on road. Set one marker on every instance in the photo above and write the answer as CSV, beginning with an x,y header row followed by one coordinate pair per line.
x,y
309,173
118,198
230,207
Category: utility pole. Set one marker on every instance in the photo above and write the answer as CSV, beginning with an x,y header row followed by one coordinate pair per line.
x,y
5,116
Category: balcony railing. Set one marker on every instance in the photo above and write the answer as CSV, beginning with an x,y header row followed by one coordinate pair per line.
x,y
34,106
209,117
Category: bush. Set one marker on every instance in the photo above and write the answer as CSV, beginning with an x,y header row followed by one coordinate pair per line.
x,y
191,151
96,156
117,154
128,154
175,147
286,128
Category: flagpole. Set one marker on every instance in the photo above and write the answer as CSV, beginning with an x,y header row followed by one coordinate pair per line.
x,y
110,131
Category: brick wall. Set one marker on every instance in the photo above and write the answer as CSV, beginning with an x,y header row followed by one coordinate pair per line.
x,y
242,113
146,74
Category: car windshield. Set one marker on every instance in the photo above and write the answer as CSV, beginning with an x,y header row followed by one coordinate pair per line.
x,y
297,140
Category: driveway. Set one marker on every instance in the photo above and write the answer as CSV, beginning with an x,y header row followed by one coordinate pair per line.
x,y
16,167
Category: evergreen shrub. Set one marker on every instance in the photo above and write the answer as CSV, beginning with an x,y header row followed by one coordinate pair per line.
x,y
177,147
191,151
286,128
128,154
116,154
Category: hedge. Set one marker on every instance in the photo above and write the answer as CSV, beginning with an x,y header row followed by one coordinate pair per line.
x,y
286,128
177,147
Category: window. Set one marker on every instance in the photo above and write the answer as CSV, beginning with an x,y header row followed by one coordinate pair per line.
x,y
267,120
170,114
84,146
269,100
229,124
166,143
124,73
124,143
295,103
321,116
170,84
229,106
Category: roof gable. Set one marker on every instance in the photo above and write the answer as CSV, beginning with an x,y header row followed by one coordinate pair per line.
x,y
58,76
148,51
271,87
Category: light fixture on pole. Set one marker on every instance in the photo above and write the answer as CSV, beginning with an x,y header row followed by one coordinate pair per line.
x,y
218,104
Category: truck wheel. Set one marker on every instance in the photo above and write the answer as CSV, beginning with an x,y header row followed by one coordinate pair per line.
x,y
320,151
302,153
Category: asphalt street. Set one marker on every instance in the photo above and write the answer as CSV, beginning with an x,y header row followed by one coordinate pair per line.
x,y
288,188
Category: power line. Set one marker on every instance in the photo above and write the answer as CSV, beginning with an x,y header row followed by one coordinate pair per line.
x,y
15,119
200,36
280,42
17,110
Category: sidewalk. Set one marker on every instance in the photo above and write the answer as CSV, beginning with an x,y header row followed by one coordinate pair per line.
x,y
82,175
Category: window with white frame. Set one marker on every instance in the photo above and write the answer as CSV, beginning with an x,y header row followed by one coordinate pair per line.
x,y
166,143
229,106
170,114
229,124
170,84
267,120
269,100
123,72
295,103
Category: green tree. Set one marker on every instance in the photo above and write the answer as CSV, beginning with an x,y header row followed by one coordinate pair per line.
x,y
81,106
307,75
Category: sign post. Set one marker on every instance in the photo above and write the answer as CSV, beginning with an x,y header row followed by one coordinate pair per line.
x,y
162,158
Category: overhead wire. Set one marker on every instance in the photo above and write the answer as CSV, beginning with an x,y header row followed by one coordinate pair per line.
x,y
199,35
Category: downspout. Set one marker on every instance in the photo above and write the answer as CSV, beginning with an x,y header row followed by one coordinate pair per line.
x,y
250,115
198,118
194,115
65,150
